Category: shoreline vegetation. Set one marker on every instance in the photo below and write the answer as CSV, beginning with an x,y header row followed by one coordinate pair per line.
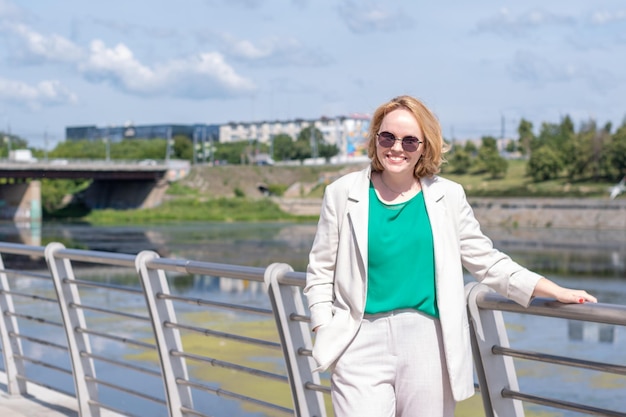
x,y
246,193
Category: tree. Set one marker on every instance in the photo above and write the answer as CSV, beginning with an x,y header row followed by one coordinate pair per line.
x,y
471,148
283,147
460,160
489,159
302,150
526,136
183,147
232,152
327,151
616,154
10,142
314,137
544,164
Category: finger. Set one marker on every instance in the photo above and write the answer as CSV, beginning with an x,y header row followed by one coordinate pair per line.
x,y
586,298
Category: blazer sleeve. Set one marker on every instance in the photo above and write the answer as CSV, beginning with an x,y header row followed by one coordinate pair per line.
x,y
320,274
487,264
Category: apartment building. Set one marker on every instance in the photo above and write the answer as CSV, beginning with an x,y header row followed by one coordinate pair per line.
x,y
349,133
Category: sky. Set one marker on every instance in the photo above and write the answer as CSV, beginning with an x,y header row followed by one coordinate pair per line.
x,y
481,66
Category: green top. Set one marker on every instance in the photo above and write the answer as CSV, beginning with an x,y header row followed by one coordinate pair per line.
x,y
401,269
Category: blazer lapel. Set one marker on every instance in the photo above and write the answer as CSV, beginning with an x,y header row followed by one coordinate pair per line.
x,y
357,209
433,195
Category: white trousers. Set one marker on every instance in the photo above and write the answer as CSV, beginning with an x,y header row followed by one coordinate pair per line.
x,y
394,367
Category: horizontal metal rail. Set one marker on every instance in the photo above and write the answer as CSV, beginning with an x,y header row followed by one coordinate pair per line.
x,y
28,317
109,311
31,296
96,257
560,360
493,355
216,304
125,390
246,273
44,364
42,342
103,285
235,396
592,312
563,405
15,273
120,339
231,366
121,364
225,335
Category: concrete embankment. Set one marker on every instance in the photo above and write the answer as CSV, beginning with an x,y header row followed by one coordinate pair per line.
x,y
519,212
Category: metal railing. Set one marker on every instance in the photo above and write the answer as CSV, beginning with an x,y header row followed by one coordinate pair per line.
x,y
493,355
197,356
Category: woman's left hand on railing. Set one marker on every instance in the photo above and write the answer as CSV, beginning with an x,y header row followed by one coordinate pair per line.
x,y
547,288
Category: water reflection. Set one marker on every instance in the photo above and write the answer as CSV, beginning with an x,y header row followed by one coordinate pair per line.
x,y
590,332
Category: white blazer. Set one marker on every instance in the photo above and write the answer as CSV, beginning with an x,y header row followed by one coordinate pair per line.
x,y
336,285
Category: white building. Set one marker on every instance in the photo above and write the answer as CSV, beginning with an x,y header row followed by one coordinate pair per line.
x,y
349,133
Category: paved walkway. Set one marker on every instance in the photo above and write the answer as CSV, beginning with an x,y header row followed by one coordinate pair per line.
x,y
41,402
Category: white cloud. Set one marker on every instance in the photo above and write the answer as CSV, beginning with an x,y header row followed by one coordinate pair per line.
x,y
274,51
604,17
363,17
205,75
47,92
35,48
507,23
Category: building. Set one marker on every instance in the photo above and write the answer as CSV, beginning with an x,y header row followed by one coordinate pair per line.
x,y
196,132
349,133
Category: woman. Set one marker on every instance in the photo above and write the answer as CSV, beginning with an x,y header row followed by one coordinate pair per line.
x,y
385,277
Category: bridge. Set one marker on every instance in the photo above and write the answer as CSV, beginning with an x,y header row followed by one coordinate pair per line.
x,y
217,356
114,184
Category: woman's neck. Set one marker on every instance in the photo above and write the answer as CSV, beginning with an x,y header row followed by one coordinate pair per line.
x,y
400,185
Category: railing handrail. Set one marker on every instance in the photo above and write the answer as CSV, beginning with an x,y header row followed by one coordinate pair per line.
x,y
593,312
493,355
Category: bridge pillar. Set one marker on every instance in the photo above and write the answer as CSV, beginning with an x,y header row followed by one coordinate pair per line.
x,y
21,201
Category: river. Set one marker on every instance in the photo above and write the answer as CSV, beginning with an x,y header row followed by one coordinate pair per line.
x,y
590,259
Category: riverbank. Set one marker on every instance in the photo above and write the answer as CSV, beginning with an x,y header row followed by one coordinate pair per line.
x,y
556,213
294,193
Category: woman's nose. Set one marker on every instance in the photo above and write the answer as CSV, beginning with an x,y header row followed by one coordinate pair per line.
x,y
397,145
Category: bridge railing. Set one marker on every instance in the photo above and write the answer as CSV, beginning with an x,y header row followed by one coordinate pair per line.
x,y
184,356
494,357
192,340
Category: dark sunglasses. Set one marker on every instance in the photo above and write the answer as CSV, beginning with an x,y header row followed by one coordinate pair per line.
x,y
388,139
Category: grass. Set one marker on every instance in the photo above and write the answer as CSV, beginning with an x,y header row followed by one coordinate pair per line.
x,y
223,195
517,184
192,209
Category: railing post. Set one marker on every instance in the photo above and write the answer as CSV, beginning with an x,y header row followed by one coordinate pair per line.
x,y
77,342
495,372
11,345
154,282
287,301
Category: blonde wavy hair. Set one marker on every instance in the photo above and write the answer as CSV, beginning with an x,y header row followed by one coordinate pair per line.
x,y
434,145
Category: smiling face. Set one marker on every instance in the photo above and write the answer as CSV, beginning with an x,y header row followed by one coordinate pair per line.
x,y
395,160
